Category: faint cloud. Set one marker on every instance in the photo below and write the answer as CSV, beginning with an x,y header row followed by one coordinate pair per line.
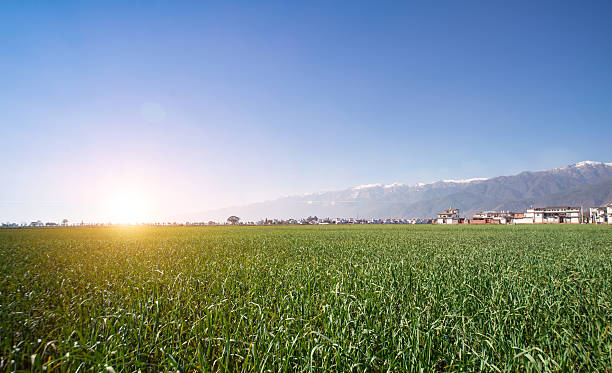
x,y
152,112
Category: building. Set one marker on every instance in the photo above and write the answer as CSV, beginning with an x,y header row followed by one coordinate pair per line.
x,y
490,217
522,219
450,216
554,215
601,215
516,215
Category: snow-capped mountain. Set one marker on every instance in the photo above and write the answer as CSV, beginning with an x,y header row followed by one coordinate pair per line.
x,y
584,183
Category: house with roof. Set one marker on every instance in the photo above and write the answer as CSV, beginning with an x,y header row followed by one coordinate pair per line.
x,y
449,216
601,215
555,215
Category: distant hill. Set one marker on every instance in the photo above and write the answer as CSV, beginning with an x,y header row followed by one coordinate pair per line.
x,y
586,196
583,184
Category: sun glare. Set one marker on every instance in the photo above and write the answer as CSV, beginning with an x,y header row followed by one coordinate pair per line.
x,y
129,207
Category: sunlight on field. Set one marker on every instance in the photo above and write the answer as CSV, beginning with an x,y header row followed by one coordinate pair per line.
x,y
334,298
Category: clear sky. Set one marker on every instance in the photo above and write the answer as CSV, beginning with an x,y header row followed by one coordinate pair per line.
x,y
166,108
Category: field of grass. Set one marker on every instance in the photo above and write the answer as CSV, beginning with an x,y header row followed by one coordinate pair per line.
x,y
343,298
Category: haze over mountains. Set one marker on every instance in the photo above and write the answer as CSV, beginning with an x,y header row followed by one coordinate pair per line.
x,y
585,184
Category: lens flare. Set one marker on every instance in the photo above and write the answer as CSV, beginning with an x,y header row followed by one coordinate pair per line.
x,y
129,206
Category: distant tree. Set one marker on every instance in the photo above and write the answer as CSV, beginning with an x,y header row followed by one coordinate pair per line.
x,y
65,222
233,220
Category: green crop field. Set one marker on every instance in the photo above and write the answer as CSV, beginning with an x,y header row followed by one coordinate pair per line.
x,y
320,298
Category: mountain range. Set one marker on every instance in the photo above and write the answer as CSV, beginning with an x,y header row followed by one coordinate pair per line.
x,y
584,184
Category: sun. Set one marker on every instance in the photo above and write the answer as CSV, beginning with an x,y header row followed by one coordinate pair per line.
x,y
129,206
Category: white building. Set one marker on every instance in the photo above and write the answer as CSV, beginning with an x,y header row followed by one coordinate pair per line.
x,y
491,217
524,220
450,216
601,215
554,215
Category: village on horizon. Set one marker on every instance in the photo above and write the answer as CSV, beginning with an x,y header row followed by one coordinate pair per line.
x,y
451,216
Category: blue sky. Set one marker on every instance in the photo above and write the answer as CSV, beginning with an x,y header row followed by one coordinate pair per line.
x,y
201,105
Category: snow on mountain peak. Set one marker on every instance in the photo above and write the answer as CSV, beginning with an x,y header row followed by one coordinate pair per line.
x,y
393,185
378,185
587,163
584,164
366,186
592,163
465,180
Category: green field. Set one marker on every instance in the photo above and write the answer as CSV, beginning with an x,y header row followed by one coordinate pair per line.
x,y
343,298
